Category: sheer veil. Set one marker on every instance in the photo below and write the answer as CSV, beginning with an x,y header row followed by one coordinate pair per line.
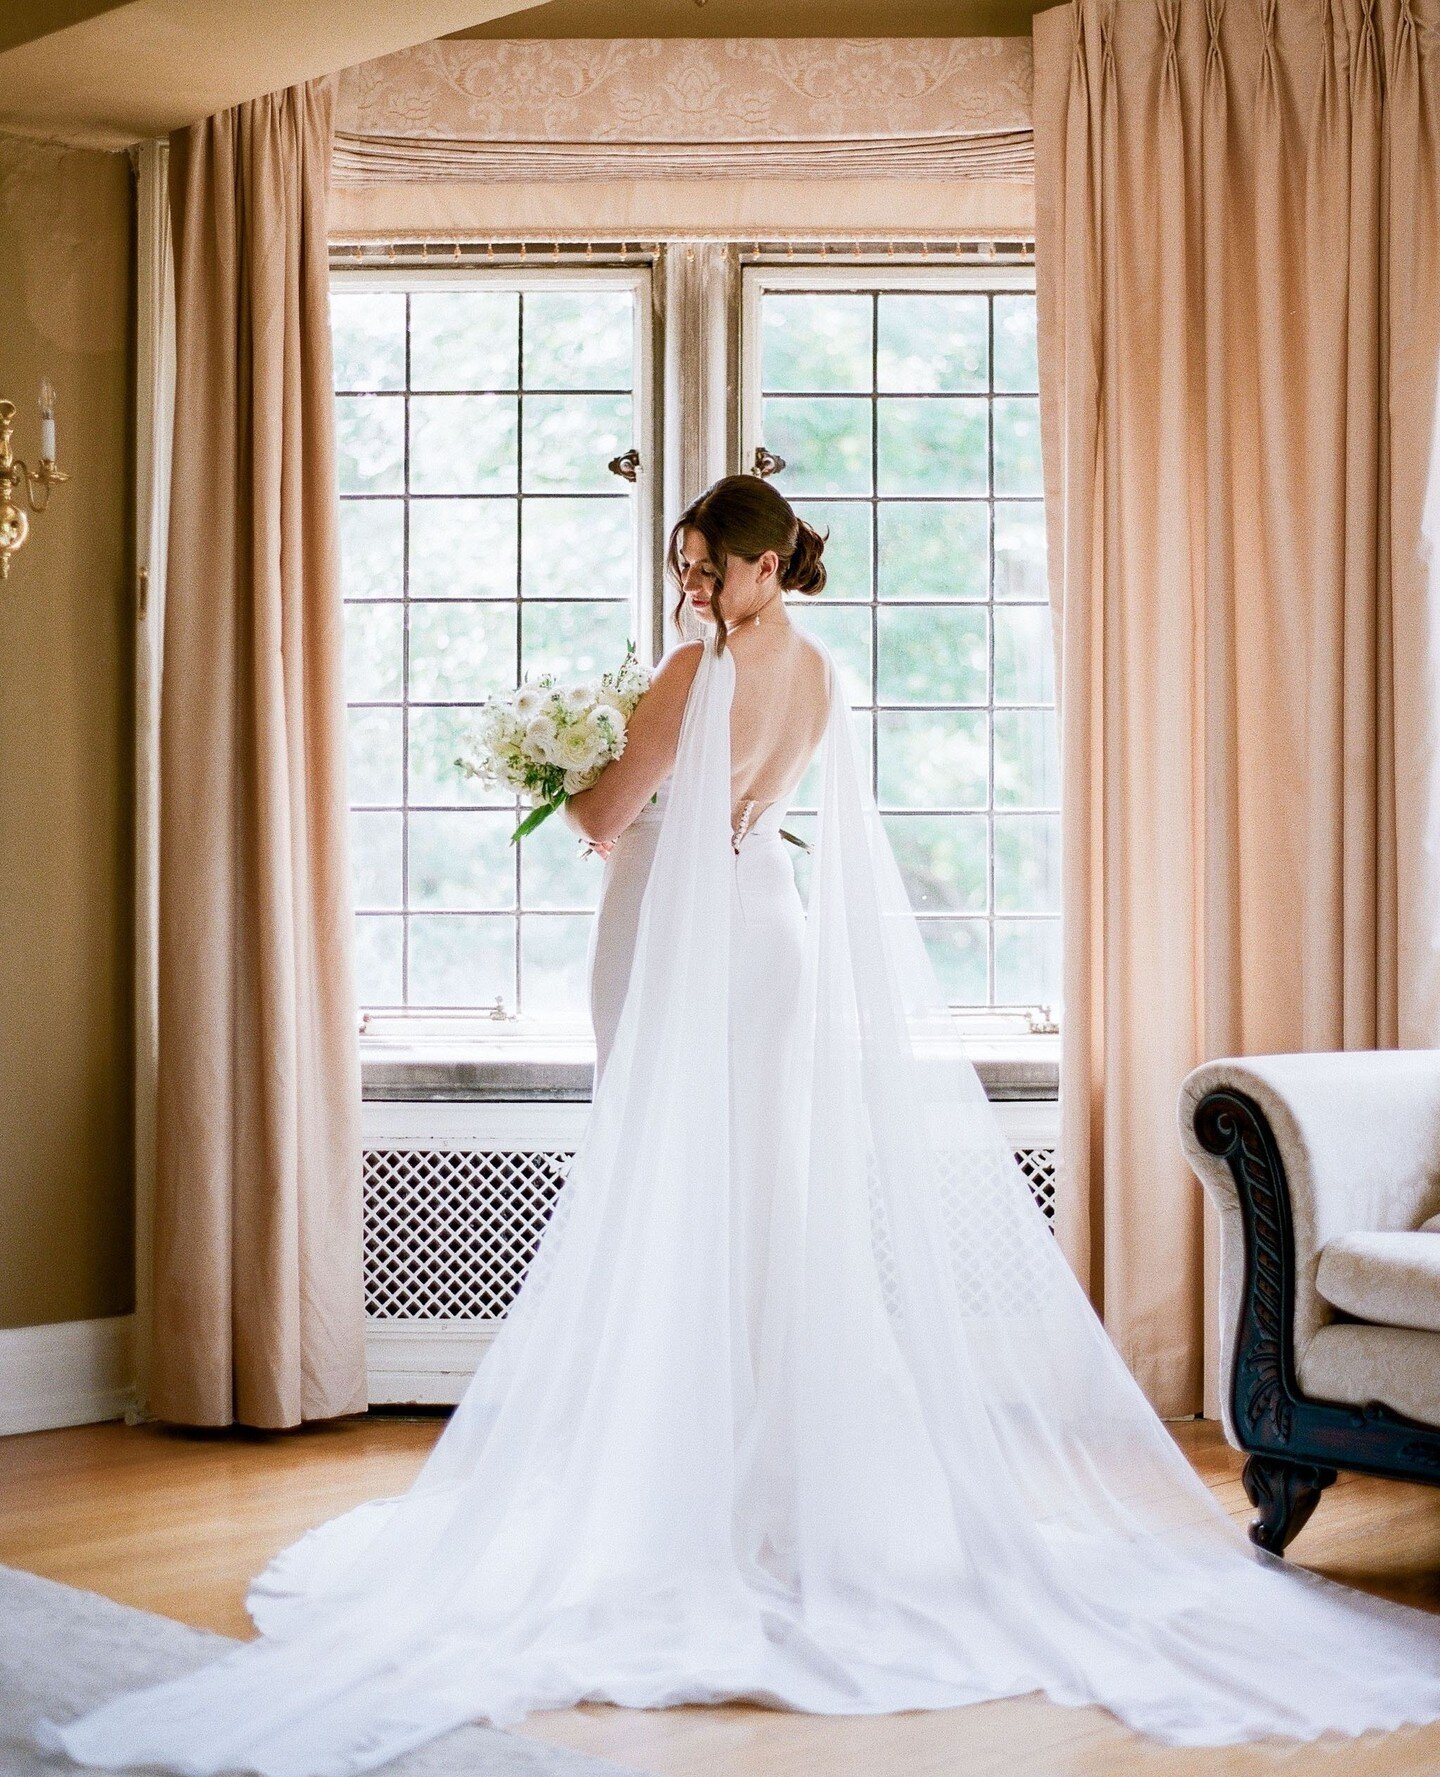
x,y
922,1477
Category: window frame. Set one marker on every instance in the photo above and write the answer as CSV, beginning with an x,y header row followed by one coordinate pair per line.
x,y
521,1032
761,274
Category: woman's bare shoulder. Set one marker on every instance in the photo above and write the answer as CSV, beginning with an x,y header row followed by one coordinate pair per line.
x,y
669,688
684,657
676,668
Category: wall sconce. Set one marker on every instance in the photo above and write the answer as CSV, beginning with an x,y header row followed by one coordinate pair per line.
x,y
17,478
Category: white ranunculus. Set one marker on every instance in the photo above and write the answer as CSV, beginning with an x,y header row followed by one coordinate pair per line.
x,y
540,737
576,781
578,697
577,749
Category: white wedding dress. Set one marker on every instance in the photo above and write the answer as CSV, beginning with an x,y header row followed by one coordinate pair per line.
x,y
799,1403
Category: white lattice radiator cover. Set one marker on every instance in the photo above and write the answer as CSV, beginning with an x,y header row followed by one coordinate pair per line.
x,y
456,1198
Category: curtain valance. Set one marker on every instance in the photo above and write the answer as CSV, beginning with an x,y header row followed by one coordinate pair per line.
x,y
667,108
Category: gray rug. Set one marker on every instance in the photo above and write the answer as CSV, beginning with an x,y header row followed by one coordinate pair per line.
x,y
63,1651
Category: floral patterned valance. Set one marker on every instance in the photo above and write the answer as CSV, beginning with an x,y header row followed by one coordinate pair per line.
x,y
805,107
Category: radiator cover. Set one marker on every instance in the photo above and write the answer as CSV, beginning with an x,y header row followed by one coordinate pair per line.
x,y
456,1199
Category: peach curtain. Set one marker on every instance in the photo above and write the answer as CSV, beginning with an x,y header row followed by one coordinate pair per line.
x,y
677,107
1238,252
628,138
258,1307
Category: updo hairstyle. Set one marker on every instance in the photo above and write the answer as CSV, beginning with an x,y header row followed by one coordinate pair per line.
x,y
743,515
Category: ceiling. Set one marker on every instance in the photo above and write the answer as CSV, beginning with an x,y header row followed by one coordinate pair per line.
x,y
105,73
763,18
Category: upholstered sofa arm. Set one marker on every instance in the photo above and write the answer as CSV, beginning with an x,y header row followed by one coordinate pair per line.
x,y
1358,1136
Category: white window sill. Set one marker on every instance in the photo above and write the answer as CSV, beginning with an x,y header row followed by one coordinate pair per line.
x,y
460,1059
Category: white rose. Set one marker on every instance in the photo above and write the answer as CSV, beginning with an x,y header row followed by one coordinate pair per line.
x,y
576,781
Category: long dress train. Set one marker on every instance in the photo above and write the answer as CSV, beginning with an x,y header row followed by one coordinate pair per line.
x,y
800,1401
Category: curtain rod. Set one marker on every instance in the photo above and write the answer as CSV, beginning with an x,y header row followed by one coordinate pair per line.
x,y
542,250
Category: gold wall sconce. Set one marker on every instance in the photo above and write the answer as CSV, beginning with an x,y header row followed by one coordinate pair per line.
x,y
16,478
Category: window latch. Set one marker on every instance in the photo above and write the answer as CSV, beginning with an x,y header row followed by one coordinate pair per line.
x,y
766,463
627,466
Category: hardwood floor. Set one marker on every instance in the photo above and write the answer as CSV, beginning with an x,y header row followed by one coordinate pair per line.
x,y
177,1522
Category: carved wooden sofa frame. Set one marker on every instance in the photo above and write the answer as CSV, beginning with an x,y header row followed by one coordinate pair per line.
x,y
1294,1443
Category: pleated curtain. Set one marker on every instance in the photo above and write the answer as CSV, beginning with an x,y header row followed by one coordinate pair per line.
x,y
1238,255
258,1307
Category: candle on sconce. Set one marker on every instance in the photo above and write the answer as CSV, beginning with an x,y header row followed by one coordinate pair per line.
x,y
47,421
20,483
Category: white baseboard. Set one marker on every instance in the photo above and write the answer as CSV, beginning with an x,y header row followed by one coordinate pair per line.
x,y
73,1372
423,1362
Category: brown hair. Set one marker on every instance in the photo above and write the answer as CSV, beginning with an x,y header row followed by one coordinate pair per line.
x,y
743,515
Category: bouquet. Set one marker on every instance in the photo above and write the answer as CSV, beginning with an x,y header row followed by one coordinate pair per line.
x,y
546,741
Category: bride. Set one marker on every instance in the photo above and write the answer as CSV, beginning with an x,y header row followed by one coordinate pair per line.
x,y
800,1402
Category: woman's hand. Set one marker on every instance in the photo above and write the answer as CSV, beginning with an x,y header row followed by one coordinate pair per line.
x,y
588,844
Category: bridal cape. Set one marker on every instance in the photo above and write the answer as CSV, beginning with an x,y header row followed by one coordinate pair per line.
x,y
922,1478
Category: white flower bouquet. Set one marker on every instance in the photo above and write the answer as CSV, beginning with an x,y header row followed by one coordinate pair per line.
x,y
546,741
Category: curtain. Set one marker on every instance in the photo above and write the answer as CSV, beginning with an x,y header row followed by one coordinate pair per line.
x,y
1239,299
643,209
657,107
258,1308
717,136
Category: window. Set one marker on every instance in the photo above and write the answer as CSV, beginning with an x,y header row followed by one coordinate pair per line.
x,y
904,409
485,536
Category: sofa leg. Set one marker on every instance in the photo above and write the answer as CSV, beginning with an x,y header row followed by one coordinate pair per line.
x,y
1284,1494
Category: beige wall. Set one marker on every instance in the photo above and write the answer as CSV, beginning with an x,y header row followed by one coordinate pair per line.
x,y
66,737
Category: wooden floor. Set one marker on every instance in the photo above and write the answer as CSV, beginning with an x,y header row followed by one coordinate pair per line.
x,y
177,1522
